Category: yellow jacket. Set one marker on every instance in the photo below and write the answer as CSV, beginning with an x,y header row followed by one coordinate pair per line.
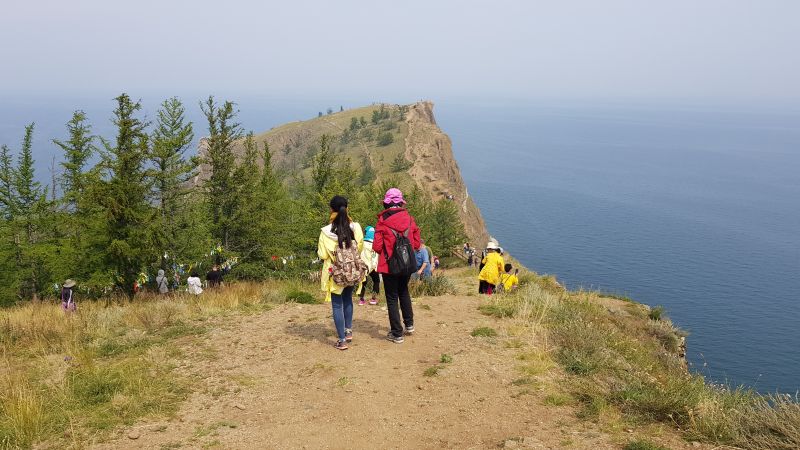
x,y
326,250
493,268
509,280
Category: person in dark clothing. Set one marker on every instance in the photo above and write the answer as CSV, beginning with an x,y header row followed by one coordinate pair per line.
x,y
67,299
395,219
214,277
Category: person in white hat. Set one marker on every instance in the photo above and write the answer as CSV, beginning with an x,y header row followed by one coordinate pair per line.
x,y
67,299
492,269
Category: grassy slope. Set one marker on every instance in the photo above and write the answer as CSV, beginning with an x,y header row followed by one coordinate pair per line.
x,y
74,380
293,143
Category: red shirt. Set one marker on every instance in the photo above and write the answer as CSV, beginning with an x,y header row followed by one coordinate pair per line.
x,y
399,220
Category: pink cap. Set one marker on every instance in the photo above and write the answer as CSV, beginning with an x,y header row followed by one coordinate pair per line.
x,y
394,195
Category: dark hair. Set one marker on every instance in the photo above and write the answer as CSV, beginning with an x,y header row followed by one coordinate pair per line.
x,y
193,274
392,205
341,224
508,267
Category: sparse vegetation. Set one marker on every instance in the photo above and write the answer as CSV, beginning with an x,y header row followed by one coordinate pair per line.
x,y
445,358
432,371
483,332
622,364
643,445
431,287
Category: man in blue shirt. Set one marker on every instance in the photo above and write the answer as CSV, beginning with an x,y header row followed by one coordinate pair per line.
x,y
423,262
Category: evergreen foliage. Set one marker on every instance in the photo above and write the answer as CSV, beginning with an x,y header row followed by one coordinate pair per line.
x,y
138,202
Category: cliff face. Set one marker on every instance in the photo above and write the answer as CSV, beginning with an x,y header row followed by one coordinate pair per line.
x,y
415,136
436,171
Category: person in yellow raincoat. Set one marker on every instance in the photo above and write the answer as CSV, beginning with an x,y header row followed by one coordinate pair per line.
x,y
341,231
493,265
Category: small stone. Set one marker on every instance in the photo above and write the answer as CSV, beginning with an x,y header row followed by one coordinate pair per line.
x,y
531,442
511,444
629,430
695,444
419,386
238,406
133,435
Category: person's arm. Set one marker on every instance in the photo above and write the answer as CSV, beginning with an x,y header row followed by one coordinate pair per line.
x,y
416,242
377,243
358,233
322,252
425,263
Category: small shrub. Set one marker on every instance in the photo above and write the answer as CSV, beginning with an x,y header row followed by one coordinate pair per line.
x,y
445,358
643,445
385,139
499,308
434,286
432,371
483,332
298,296
656,313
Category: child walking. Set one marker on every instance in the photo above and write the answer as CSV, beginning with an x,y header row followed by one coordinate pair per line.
x,y
370,258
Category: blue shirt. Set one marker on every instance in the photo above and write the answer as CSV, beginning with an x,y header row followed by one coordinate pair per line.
x,y
422,257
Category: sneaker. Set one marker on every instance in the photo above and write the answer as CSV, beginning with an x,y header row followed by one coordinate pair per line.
x,y
410,330
395,339
373,301
348,335
340,345
361,302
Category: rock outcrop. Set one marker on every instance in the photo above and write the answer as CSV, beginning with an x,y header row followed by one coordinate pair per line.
x,y
436,171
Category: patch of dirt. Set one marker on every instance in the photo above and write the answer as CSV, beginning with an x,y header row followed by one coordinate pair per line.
x,y
274,380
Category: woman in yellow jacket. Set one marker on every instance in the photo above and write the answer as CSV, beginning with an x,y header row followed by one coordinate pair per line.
x,y
341,232
492,268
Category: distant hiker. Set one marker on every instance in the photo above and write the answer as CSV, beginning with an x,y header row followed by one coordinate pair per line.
x,y
469,252
423,257
214,277
339,247
162,283
193,284
493,266
396,240
370,258
67,298
509,281
435,262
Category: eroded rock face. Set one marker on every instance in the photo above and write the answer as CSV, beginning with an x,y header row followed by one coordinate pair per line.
x,y
436,171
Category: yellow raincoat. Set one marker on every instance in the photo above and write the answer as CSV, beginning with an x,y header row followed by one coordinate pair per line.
x,y
326,250
493,268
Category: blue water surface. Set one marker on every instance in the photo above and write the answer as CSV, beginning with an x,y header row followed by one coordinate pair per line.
x,y
695,209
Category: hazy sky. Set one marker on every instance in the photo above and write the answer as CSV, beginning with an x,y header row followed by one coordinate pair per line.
x,y
720,49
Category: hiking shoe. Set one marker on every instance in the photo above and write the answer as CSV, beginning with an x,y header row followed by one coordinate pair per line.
x,y
410,329
395,339
361,302
373,301
340,345
348,335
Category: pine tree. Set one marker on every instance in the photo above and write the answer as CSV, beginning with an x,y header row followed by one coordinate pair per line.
x,y
28,217
77,151
124,198
223,132
172,173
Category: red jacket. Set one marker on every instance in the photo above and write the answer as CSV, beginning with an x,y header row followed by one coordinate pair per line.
x,y
399,220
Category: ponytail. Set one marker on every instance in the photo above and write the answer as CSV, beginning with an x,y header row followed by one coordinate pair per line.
x,y
341,222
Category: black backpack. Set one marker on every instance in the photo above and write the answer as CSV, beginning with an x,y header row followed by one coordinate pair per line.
x,y
403,261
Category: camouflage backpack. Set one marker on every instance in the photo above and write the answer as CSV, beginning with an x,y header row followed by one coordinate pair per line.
x,y
348,268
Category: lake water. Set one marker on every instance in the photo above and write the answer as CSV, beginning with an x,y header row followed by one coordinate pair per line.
x,y
697,210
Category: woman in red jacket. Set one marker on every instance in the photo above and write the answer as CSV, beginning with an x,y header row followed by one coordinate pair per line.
x,y
395,219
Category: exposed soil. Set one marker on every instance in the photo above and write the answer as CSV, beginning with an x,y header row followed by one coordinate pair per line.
x,y
274,380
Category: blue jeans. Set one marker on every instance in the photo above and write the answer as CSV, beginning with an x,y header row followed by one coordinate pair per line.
x,y
343,311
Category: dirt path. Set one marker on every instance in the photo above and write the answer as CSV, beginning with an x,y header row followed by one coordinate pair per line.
x,y
273,380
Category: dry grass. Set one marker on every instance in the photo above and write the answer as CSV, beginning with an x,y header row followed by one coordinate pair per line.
x,y
625,365
80,374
